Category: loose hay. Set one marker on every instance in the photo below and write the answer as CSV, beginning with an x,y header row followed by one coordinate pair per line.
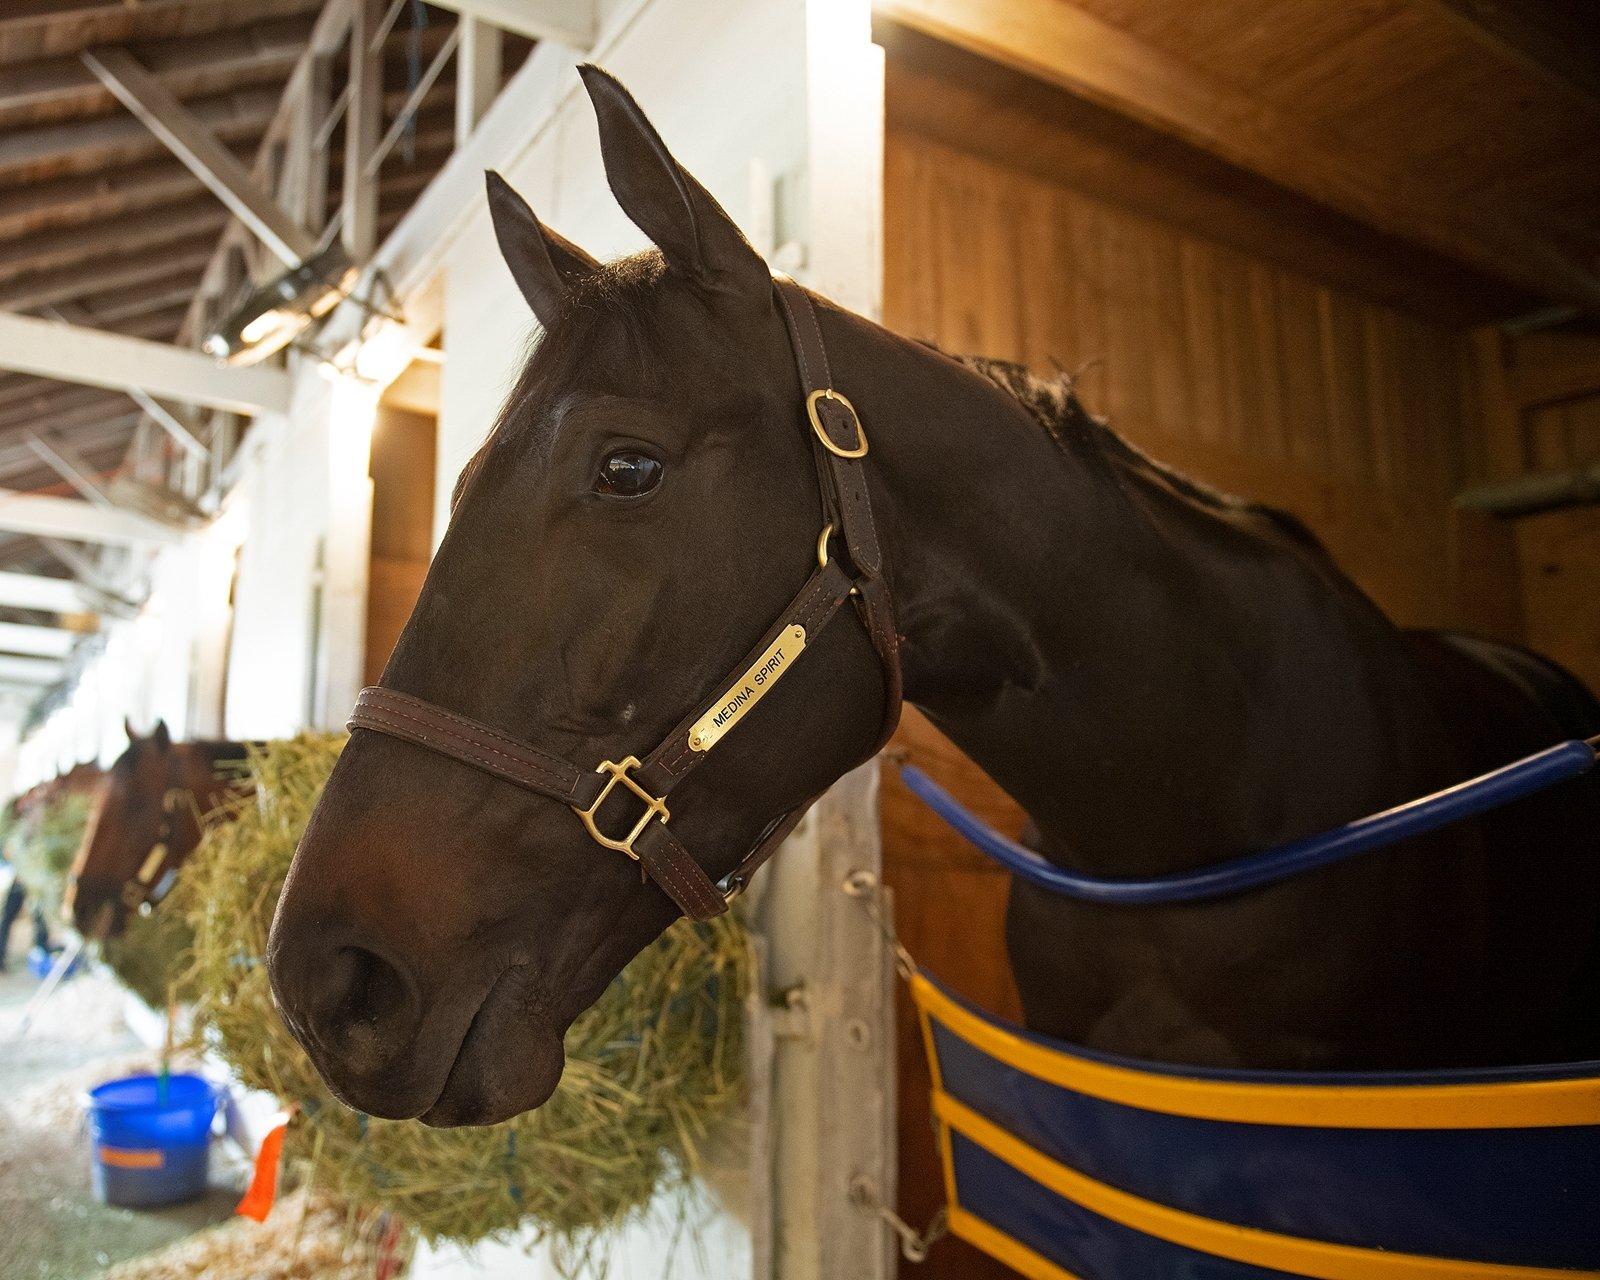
x,y
306,1238
652,1070
151,955
41,846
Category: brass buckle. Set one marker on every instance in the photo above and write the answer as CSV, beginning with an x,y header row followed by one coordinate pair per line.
x,y
828,393
654,807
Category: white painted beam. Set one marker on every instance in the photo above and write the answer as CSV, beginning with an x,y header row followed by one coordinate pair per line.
x,y
188,138
38,642
49,517
75,354
33,591
478,74
574,23
24,671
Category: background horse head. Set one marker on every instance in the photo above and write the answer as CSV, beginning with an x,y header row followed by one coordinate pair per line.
x,y
644,508
146,821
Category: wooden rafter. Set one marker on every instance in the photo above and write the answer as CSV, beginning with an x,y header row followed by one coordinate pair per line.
x,y
32,591
82,142
29,292
74,354
46,250
1066,46
1556,41
251,49
44,516
188,138
574,23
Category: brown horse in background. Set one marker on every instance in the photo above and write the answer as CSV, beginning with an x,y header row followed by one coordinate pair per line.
x,y
148,819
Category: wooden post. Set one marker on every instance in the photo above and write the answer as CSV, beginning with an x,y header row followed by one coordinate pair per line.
x,y
363,121
478,71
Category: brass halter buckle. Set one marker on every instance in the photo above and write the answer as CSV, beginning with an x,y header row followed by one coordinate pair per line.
x,y
653,807
828,393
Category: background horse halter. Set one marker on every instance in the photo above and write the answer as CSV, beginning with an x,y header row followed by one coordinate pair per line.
x,y
839,443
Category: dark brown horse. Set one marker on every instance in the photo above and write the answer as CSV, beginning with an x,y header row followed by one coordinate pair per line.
x,y
1163,677
146,822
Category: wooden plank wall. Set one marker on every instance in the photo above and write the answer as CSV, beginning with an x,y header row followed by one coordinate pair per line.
x,y
1542,391
402,526
1356,416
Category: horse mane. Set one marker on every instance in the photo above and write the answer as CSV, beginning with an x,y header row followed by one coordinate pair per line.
x,y
1055,406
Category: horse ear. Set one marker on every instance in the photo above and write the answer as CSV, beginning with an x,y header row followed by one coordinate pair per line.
x,y
697,238
160,736
544,264
127,728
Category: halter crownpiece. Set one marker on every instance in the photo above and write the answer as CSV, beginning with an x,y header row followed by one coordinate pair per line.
x,y
839,443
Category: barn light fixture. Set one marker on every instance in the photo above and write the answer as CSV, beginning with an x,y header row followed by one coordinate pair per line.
x,y
275,314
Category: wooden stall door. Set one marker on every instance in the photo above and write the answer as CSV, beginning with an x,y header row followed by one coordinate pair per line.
x,y
403,453
1561,588
1239,369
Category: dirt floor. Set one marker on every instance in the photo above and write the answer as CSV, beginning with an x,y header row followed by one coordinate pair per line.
x,y
53,1229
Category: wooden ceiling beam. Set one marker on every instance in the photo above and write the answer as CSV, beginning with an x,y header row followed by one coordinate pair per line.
x,y
1557,42
74,354
1066,46
17,14
35,641
85,197
51,287
331,30
141,307
184,60
48,517
574,23
78,142
52,405
47,250
189,138
34,591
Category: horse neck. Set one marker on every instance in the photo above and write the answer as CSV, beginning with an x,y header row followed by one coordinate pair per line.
x,y
1159,680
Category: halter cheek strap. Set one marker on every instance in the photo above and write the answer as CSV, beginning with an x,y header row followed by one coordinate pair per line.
x,y
839,443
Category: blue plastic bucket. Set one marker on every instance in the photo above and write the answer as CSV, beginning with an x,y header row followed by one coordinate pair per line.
x,y
151,1141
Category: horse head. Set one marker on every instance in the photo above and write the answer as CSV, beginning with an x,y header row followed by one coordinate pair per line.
x,y
646,504
138,814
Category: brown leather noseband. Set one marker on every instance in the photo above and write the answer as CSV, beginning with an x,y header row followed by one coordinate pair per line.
x,y
839,443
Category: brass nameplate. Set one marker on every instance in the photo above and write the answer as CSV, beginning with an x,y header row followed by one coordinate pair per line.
x,y
748,689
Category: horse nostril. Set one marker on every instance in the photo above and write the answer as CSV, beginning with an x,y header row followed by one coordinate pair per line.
x,y
367,1011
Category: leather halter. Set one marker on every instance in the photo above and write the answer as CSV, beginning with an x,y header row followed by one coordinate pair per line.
x,y
839,443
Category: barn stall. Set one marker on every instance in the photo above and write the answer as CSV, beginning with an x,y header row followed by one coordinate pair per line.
x,y
1336,261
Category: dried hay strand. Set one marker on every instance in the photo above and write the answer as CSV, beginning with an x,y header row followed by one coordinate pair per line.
x,y
306,1238
654,1069
151,954
41,846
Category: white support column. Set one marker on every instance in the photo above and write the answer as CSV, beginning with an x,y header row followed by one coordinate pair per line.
x,y
50,595
71,353
187,137
834,1087
45,516
478,72
347,556
574,23
363,122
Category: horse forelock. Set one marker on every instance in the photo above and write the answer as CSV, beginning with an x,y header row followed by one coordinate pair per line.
x,y
609,307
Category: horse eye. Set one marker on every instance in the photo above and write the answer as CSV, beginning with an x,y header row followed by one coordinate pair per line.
x,y
627,474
